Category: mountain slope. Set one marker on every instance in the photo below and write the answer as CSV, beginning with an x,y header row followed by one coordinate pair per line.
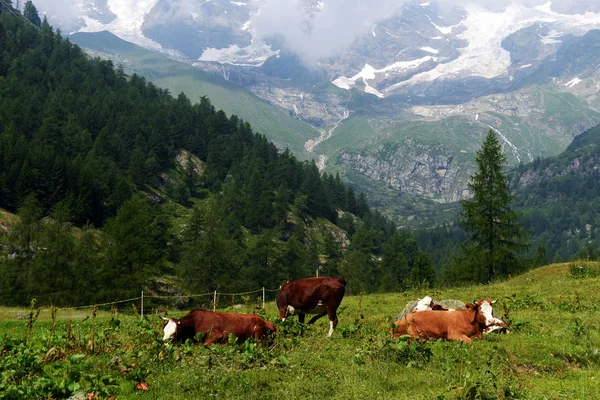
x,y
561,197
434,77
178,77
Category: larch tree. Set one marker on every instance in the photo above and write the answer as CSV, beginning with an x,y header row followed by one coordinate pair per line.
x,y
496,232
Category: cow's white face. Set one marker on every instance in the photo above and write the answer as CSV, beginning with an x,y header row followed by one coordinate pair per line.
x,y
423,304
170,329
485,309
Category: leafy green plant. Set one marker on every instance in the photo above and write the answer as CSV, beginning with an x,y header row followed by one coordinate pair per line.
x,y
526,301
583,270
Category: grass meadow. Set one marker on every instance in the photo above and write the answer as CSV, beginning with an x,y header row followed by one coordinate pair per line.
x,y
552,351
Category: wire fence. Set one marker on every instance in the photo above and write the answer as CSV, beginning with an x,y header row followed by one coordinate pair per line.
x,y
148,303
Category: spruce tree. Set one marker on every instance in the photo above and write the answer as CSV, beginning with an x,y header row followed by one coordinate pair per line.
x,y
31,13
496,232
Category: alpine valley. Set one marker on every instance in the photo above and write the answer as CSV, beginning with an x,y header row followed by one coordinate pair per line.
x,y
397,100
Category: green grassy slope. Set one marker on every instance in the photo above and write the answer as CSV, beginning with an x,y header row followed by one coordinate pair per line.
x,y
552,351
179,77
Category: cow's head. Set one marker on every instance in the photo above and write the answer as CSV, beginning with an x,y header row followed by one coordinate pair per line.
x,y
170,329
286,311
423,304
487,319
264,330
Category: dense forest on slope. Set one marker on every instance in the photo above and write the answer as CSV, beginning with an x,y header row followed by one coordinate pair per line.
x,y
116,183
560,198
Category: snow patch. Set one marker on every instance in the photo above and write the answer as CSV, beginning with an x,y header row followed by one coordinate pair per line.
x,y
525,66
386,30
444,29
430,50
128,23
573,82
372,90
369,73
246,25
484,56
551,37
238,3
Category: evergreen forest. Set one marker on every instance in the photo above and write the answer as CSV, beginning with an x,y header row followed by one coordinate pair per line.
x,y
120,186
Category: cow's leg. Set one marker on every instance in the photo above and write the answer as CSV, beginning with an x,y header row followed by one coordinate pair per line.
x,y
213,336
460,338
301,316
333,321
316,317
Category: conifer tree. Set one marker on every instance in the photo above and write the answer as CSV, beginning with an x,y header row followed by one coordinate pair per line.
x,y
394,268
423,272
497,235
31,13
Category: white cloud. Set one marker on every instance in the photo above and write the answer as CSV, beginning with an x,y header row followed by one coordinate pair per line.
x,y
62,14
314,33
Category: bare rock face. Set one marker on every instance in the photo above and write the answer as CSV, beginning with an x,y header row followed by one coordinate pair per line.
x,y
412,169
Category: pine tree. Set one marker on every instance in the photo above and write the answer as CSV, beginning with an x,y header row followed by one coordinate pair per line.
x,y
31,13
394,268
497,234
422,273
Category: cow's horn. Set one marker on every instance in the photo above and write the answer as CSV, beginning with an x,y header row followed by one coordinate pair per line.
x,y
494,301
166,319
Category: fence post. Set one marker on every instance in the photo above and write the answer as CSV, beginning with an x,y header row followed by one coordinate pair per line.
x,y
263,297
215,301
142,307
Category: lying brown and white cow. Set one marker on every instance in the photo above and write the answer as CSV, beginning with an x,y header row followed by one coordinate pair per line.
x,y
321,296
458,325
216,326
427,303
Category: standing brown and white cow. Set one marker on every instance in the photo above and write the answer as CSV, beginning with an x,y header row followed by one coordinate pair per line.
x,y
458,325
216,326
321,296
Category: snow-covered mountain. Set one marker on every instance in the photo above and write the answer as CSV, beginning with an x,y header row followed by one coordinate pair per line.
x,y
417,45
384,80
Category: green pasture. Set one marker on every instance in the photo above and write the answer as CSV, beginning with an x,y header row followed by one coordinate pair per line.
x,y
552,351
